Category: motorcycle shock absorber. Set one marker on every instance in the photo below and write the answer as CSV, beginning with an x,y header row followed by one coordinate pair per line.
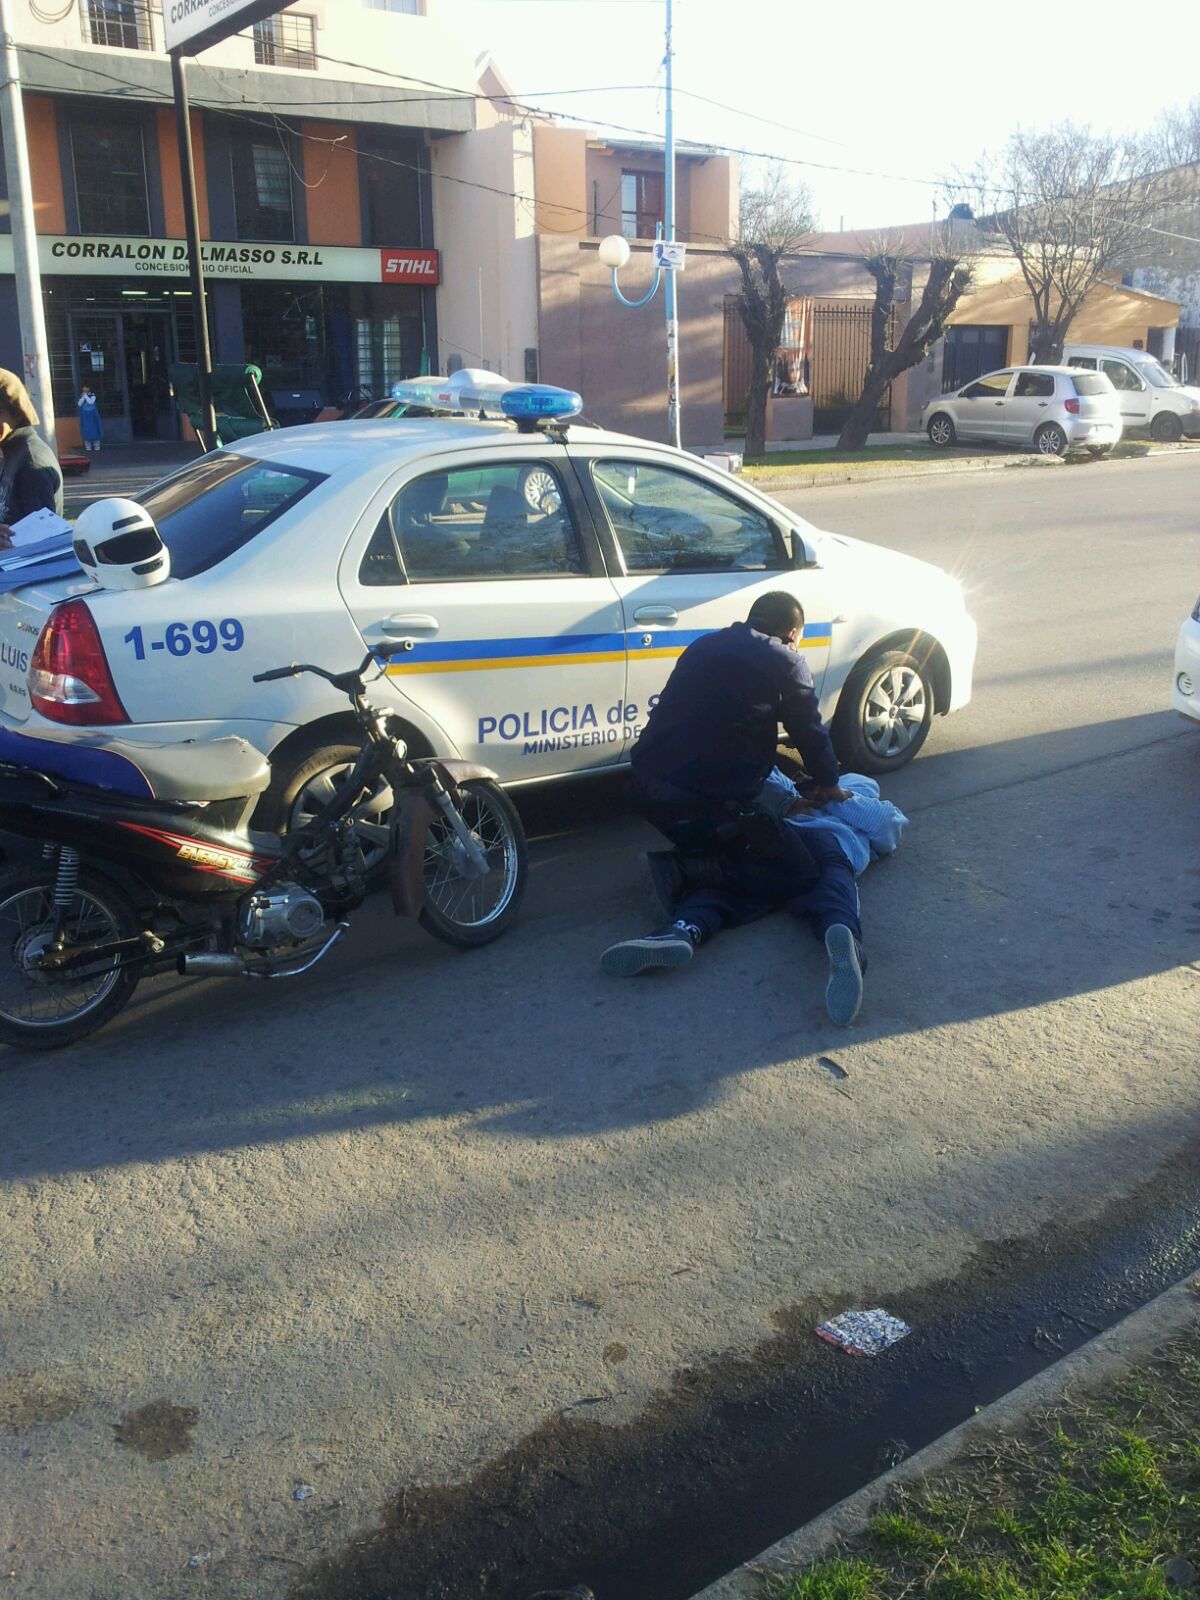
x,y
66,881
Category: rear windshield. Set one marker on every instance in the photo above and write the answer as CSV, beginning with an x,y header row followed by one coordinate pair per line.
x,y
219,503
1091,383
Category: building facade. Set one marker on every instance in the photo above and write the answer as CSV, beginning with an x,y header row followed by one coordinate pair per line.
x,y
342,195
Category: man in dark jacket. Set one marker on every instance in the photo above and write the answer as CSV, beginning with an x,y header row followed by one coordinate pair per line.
x,y
30,476
698,770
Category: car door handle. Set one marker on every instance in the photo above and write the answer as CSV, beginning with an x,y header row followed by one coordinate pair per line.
x,y
999,402
664,614
1042,404
416,622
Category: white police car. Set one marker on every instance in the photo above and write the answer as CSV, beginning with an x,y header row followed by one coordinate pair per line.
x,y
544,576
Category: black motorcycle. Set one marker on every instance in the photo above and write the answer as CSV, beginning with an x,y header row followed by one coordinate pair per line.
x,y
128,886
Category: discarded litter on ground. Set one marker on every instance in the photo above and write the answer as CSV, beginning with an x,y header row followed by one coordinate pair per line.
x,y
303,1491
863,1333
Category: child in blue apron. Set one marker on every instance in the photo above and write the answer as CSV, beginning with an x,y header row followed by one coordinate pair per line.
x,y
91,425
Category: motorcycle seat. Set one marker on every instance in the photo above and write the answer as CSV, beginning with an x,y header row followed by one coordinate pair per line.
x,y
210,769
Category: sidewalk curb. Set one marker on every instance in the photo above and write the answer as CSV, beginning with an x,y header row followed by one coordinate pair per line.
x,y
1098,1361
887,471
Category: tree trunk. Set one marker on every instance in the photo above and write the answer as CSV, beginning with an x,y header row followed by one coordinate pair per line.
x,y
762,363
858,424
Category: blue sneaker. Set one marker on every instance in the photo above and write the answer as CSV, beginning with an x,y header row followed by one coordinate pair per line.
x,y
844,991
672,947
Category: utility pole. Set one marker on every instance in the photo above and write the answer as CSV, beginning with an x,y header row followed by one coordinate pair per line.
x,y
669,229
191,222
24,235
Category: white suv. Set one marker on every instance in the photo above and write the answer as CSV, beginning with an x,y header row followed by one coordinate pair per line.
x,y
1047,409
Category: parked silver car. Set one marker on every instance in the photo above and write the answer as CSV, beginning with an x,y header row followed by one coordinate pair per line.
x,y
1047,409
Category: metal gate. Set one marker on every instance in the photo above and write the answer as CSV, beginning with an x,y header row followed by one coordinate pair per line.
x,y
841,346
841,356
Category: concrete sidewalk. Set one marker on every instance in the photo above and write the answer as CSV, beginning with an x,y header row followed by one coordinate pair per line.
x,y
125,469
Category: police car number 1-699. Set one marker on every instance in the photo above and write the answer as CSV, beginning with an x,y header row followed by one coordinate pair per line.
x,y
181,638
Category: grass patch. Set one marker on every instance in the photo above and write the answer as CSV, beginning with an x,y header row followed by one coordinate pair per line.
x,y
1096,1500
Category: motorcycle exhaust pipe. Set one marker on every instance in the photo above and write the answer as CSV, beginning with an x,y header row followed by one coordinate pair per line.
x,y
211,964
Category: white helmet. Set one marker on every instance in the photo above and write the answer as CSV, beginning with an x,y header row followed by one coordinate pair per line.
x,y
117,544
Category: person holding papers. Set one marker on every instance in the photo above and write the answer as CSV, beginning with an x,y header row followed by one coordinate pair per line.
x,y
30,477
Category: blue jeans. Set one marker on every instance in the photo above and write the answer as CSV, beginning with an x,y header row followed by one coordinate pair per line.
x,y
753,886
809,874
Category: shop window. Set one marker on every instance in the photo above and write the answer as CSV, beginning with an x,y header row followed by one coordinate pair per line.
x,y
109,159
286,41
118,24
262,187
641,204
412,7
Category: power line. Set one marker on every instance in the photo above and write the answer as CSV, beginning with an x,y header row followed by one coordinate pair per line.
x,y
644,133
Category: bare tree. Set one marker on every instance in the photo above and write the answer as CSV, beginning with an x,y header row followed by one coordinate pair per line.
x,y
776,217
1073,208
1176,140
950,272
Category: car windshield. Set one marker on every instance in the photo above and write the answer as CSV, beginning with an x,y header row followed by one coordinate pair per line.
x,y
218,504
1156,374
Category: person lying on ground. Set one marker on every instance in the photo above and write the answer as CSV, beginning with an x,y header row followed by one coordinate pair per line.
x,y
699,774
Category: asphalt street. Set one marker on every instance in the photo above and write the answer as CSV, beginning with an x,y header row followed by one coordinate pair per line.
x,y
395,1233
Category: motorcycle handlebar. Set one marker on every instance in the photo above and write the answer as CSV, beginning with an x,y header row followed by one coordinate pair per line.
x,y
340,680
277,672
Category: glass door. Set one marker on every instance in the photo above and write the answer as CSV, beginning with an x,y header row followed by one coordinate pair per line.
x,y
98,353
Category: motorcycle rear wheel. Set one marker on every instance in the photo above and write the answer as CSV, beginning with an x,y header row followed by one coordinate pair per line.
x,y
40,1012
469,911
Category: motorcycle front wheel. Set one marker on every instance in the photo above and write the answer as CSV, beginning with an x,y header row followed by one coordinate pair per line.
x,y
461,907
40,1011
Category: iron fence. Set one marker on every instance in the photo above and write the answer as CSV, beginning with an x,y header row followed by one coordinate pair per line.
x,y
841,354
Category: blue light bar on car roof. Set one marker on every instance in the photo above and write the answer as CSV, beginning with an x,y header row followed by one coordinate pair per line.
x,y
472,392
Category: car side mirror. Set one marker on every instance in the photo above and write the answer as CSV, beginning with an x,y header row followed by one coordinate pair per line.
x,y
801,552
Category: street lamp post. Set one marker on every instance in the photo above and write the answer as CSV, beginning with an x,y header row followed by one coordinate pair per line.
x,y
614,252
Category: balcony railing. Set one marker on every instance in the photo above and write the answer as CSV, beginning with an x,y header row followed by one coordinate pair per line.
x,y
286,41
121,24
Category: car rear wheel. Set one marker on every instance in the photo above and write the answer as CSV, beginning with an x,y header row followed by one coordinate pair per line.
x,y
1050,440
884,713
941,430
303,786
1166,428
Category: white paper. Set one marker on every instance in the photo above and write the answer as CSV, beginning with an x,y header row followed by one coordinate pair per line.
x,y
37,527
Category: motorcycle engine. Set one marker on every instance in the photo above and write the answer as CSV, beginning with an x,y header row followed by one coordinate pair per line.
x,y
284,915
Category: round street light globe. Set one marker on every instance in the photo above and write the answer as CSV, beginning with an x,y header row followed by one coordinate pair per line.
x,y
614,251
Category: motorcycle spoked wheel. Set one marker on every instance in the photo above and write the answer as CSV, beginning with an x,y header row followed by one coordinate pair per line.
x,y
465,910
43,1012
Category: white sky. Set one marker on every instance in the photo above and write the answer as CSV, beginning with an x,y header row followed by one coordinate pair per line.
x,y
915,90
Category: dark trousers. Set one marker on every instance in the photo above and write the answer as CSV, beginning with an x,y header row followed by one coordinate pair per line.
x,y
806,871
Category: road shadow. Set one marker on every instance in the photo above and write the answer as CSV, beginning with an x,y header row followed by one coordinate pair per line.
x,y
998,903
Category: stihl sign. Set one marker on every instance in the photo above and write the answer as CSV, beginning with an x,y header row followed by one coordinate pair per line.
x,y
410,266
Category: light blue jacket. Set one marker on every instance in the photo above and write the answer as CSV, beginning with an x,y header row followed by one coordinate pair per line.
x,y
865,826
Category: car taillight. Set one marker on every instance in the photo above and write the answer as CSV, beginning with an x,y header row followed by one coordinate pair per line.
x,y
1072,406
69,677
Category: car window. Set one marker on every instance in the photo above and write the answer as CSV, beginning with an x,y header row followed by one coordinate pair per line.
x,y
1082,361
1121,376
991,387
666,520
1091,383
217,504
494,521
1033,385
